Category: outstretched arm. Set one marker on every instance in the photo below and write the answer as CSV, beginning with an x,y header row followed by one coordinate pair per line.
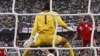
x,y
76,36
63,24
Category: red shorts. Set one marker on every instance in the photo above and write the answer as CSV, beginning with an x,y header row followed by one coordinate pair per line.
x,y
85,42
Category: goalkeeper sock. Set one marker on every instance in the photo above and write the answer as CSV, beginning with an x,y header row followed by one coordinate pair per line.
x,y
26,52
71,52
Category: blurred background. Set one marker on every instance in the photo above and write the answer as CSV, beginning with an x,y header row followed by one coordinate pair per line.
x,y
7,30
6,6
25,23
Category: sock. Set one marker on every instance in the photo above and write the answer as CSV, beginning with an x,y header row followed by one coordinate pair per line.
x,y
71,52
26,52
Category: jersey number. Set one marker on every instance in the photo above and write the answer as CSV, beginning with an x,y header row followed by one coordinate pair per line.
x,y
45,19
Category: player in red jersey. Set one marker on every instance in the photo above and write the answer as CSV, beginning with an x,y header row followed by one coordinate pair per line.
x,y
84,29
2,52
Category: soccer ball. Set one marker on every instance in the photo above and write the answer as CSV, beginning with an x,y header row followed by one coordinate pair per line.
x,y
50,54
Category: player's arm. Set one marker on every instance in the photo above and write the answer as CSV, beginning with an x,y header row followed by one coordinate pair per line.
x,y
76,36
63,24
5,52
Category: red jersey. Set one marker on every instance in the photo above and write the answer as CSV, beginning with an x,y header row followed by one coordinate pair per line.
x,y
84,29
2,52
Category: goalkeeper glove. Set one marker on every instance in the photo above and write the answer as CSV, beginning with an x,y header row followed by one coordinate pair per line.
x,y
28,42
70,29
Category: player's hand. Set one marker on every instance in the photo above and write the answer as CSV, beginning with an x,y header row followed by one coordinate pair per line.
x,y
70,29
29,41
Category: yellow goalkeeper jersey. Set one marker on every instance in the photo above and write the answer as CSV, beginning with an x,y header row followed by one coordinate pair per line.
x,y
46,23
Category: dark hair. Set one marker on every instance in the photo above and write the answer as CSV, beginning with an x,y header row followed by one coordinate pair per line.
x,y
46,7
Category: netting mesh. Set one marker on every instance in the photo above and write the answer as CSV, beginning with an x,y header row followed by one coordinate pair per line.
x,y
17,18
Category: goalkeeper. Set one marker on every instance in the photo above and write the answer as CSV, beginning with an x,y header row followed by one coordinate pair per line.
x,y
44,25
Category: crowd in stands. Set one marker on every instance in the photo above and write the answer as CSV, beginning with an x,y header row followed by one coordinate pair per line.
x,y
7,29
61,6
95,6
6,6
29,6
7,21
97,31
25,21
70,6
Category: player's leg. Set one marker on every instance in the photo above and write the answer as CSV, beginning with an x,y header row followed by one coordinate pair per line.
x,y
26,52
62,41
35,43
67,45
84,43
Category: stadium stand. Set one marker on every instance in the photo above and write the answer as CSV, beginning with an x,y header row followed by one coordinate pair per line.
x,y
95,6
7,22
7,26
6,6
62,6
